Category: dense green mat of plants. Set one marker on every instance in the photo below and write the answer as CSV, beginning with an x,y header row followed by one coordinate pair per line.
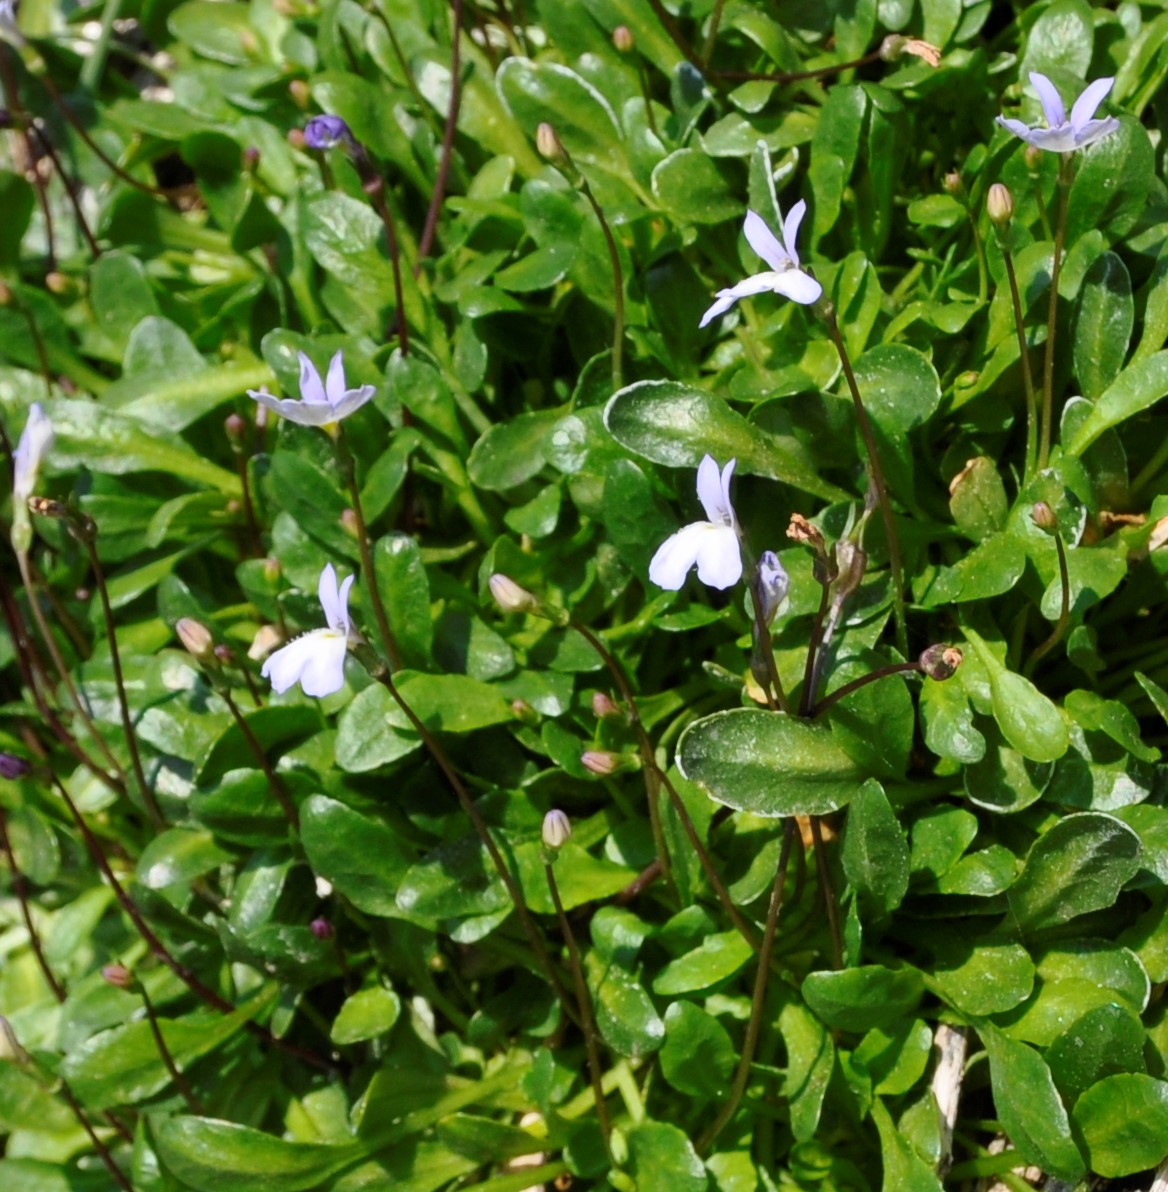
x,y
430,331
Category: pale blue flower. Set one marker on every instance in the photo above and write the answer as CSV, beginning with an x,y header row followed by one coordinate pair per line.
x,y
1065,134
711,546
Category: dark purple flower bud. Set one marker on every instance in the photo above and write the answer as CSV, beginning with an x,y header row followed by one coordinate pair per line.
x,y
12,766
323,132
322,929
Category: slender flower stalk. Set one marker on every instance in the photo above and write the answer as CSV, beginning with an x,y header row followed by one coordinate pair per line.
x,y
84,529
828,890
1065,174
431,225
1044,517
20,888
553,832
758,999
180,1081
876,478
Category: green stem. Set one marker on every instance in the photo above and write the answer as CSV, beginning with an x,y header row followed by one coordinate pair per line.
x,y
1064,617
180,1081
349,472
712,32
814,644
649,763
828,889
983,284
275,783
88,536
1024,362
618,282
584,1004
1064,185
876,475
20,888
896,668
758,1000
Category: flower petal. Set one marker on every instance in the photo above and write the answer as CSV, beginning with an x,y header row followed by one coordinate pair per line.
x,y
719,558
724,302
352,399
324,670
1054,140
710,490
798,286
763,241
791,229
315,660
724,483
334,386
1052,103
341,625
1090,98
303,413
677,554
1017,128
326,591
1095,130
311,386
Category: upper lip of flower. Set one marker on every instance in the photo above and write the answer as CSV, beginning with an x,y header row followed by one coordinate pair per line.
x,y
784,275
35,442
321,401
1065,134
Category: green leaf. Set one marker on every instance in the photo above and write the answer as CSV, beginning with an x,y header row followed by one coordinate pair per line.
x,y
977,499
692,189
697,1057
366,738
1028,720
1140,385
810,1064
624,1011
717,959
662,1159
1060,41
991,568
359,854
206,1154
1124,1121
904,1169
365,1015
875,852
580,877
895,1060
88,435
986,979
123,1065
1103,1042
768,764
858,999
584,121
1079,865
405,592
1104,316
672,423
512,452
1029,1106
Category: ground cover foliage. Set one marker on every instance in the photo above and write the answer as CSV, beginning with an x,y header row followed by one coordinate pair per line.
x,y
833,913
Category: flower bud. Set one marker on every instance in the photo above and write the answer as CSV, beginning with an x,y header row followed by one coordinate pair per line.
x,y
603,707
13,767
251,158
118,976
509,596
322,929
196,638
548,143
224,653
267,638
295,138
58,283
622,38
852,561
556,829
602,762
940,662
524,712
1044,517
771,584
271,569
1000,205
235,426
895,45
323,132
1032,155
349,524
951,183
